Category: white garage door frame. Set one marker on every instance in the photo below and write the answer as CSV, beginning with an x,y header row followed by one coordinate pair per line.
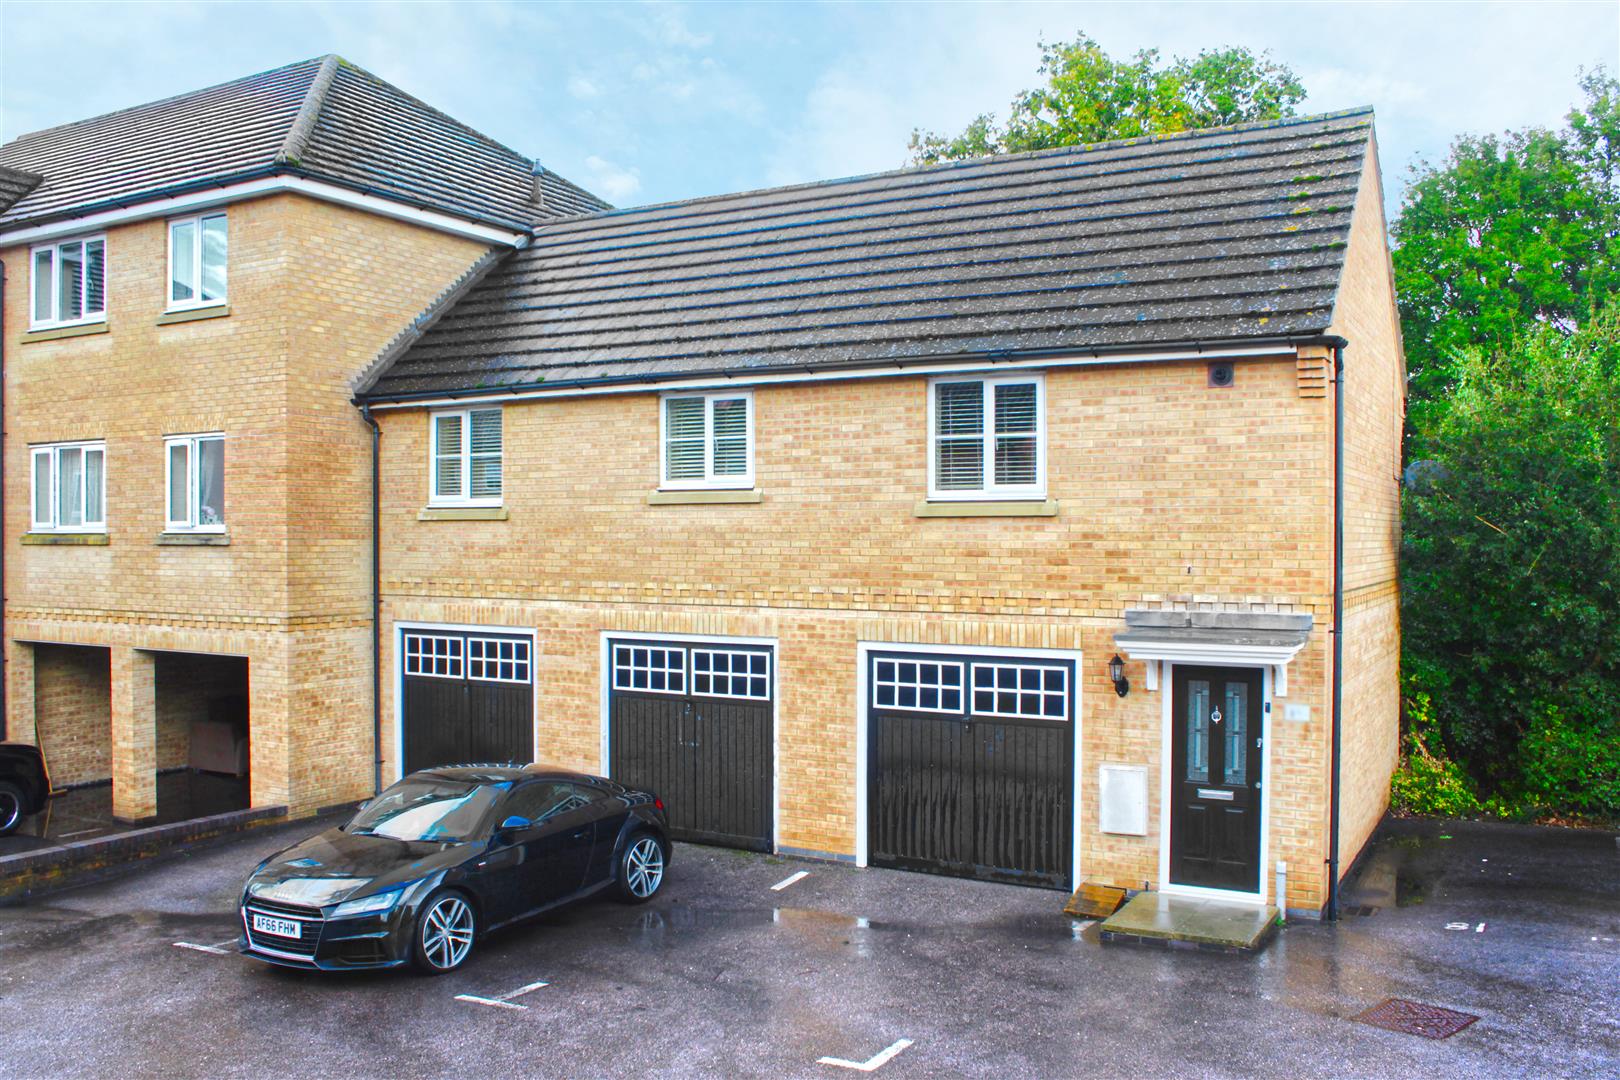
x,y
863,663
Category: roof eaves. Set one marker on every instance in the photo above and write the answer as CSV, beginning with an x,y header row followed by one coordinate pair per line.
x,y
303,125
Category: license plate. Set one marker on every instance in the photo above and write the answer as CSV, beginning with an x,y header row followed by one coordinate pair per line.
x,y
264,924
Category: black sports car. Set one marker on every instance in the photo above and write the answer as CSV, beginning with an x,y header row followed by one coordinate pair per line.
x,y
24,784
435,862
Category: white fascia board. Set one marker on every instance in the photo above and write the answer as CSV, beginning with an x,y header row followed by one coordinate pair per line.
x,y
887,371
1206,652
250,189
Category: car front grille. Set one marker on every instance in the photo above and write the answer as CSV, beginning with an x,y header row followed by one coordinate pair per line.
x,y
299,948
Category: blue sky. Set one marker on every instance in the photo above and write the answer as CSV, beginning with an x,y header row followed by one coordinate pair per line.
x,y
648,102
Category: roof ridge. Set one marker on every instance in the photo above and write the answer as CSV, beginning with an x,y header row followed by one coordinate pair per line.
x,y
474,132
303,125
1190,133
28,135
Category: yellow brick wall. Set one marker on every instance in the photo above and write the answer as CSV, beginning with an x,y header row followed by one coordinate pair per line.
x,y
315,291
1374,406
70,713
1169,492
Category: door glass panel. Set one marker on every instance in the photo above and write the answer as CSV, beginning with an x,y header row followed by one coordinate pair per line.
x,y
1198,731
1237,732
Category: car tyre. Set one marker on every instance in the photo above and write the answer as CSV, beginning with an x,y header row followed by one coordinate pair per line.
x,y
641,868
445,930
12,801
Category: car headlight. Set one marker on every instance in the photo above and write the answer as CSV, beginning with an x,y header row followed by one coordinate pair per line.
x,y
369,905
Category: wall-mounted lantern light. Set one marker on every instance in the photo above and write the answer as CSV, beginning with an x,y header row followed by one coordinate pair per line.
x,y
1116,672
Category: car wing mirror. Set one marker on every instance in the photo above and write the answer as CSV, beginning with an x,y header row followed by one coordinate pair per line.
x,y
515,823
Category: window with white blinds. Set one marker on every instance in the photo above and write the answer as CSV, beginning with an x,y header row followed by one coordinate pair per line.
x,y
708,441
69,487
466,458
988,438
70,283
197,261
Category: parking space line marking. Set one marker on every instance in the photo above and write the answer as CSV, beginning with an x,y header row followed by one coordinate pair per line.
x,y
80,832
870,1065
524,990
496,1002
785,882
215,949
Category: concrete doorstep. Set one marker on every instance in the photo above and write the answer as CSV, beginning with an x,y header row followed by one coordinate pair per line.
x,y
1180,922
28,873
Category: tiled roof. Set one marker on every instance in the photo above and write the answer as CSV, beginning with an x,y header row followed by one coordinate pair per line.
x,y
14,184
323,118
1209,236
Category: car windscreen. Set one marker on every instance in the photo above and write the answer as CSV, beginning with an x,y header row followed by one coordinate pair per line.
x,y
444,811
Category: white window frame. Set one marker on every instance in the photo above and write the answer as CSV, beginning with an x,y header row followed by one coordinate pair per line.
x,y
481,660
171,304
918,685
53,451
989,490
190,525
731,676
709,480
54,247
1062,692
420,662
463,498
625,667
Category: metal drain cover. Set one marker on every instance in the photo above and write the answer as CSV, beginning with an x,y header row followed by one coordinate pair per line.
x,y
1416,1018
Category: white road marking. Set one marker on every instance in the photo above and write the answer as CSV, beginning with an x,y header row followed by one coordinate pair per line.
x,y
870,1065
785,882
496,1002
215,949
505,1000
1480,929
81,832
1456,926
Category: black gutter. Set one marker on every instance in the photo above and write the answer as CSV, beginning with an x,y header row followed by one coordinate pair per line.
x,y
376,599
190,187
1338,626
744,374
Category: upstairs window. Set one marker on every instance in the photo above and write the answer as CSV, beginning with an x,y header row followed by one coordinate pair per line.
x,y
708,441
466,458
69,487
988,438
197,261
196,483
70,283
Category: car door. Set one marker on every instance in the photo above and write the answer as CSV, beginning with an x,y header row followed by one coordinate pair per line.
x,y
529,868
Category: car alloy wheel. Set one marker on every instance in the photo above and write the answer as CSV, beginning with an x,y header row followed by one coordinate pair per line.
x,y
446,932
11,808
644,867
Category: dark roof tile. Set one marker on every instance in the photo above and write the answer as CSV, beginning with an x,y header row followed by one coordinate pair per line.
x,y
1207,236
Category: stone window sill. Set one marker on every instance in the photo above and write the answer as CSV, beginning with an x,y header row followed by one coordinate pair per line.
x,y
180,539
48,539
60,332
1027,508
462,513
702,497
216,311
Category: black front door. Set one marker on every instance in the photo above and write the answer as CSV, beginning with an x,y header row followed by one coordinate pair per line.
x,y
1215,778
691,722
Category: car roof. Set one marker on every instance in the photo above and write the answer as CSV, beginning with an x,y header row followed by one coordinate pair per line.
x,y
506,773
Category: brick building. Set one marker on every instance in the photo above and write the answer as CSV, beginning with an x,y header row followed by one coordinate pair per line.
x,y
826,510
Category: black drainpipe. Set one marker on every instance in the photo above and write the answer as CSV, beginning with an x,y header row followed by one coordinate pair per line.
x,y
376,600
5,651
1338,627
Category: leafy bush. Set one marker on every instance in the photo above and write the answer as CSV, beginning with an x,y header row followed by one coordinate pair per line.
x,y
1570,762
1428,783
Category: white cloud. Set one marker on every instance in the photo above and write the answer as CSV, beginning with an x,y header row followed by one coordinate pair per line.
x,y
582,88
614,182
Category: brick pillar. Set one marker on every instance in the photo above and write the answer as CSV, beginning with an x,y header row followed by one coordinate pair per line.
x,y
134,734
270,779
20,725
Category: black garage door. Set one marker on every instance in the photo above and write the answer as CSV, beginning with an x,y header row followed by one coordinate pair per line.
x,y
971,766
468,697
692,722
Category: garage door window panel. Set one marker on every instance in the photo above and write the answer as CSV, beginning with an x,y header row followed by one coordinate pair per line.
x,y
498,659
1021,691
433,656
650,669
918,685
731,674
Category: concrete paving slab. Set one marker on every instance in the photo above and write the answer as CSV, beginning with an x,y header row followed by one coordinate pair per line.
x,y
1217,924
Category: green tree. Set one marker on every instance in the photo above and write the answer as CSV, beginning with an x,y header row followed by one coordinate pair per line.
x,y
1090,97
1511,569
1507,233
